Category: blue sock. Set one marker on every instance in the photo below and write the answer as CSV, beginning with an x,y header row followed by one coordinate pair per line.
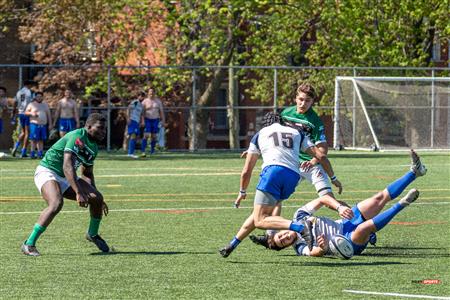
x,y
152,146
296,226
385,217
143,145
17,145
235,242
398,186
131,146
24,151
40,154
32,154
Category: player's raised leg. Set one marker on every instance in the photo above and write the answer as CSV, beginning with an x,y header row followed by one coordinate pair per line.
x,y
372,206
362,233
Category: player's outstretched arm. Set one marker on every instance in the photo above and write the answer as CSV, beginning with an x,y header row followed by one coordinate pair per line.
x,y
246,175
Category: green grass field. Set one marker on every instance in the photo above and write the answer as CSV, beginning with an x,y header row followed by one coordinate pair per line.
x,y
170,213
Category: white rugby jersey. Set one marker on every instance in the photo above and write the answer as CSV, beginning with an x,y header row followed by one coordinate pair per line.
x,y
280,145
320,225
23,98
135,108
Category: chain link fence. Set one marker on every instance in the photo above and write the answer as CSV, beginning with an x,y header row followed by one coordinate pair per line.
x,y
215,107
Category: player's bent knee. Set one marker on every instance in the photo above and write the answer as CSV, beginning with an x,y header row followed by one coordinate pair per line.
x,y
55,207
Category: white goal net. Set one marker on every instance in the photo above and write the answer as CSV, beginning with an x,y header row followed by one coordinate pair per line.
x,y
382,113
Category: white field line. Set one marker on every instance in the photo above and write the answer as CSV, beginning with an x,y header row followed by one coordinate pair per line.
x,y
157,209
236,169
139,175
397,295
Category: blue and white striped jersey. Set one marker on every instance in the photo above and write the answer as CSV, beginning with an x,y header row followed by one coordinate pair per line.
x,y
135,110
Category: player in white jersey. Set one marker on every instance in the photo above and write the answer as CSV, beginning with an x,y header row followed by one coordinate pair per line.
x,y
368,219
23,97
135,110
279,146
40,118
153,116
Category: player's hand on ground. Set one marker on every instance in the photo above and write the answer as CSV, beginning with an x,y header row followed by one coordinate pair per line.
x,y
244,154
306,166
105,208
240,197
345,212
338,184
82,199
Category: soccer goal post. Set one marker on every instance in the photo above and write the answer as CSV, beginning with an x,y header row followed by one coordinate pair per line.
x,y
388,113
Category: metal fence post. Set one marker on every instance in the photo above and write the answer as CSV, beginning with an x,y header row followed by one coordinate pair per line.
x,y
336,140
20,77
193,147
433,106
108,138
275,89
354,114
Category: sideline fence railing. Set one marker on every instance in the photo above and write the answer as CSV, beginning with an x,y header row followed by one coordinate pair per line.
x,y
257,89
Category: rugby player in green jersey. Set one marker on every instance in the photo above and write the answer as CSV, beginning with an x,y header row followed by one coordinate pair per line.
x,y
56,178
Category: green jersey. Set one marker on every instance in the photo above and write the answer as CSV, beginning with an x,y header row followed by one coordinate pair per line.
x,y
309,122
77,142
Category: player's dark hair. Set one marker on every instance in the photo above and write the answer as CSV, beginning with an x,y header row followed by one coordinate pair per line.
x,y
271,244
142,94
28,82
38,93
94,118
266,241
271,118
308,89
3,88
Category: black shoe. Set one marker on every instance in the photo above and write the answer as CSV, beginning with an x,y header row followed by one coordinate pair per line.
x,y
373,239
226,251
260,240
13,152
98,241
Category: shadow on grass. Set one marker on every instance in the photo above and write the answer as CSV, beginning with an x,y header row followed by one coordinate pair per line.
x,y
148,253
326,263
410,252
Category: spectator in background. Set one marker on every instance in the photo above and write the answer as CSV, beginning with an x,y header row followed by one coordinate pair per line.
x,y
3,106
153,115
40,118
135,110
23,97
67,114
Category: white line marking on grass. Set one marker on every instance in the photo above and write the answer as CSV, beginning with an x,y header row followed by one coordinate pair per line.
x,y
144,209
397,295
141,175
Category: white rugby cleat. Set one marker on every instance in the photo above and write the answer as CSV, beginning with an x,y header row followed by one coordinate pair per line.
x,y
416,165
412,196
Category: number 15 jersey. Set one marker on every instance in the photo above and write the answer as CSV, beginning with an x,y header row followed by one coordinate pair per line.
x,y
280,145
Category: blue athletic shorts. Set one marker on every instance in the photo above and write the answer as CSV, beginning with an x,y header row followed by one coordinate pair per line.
x,y
1,125
278,181
348,226
151,125
67,125
133,128
38,132
24,120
